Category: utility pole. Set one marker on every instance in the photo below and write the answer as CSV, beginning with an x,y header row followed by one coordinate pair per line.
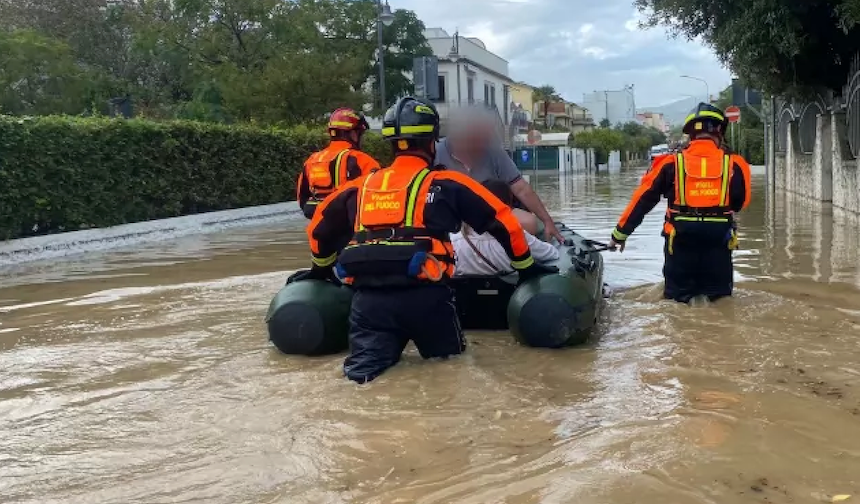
x,y
383,17
606,104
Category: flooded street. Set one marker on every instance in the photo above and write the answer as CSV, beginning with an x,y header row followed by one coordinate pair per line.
x,y
144,376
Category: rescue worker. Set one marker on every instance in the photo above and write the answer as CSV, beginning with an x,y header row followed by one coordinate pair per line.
x,y
705,186
401,256
342,160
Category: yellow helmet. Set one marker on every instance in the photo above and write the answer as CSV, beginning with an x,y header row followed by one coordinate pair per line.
x,y
705,118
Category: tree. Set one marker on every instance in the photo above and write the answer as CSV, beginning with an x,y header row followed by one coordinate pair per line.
x,y
218,60
637,138
350,28
602,140
39,75
402,41
604,123
780,46
545,95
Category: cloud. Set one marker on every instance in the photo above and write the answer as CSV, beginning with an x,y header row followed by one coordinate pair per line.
x,y
579,46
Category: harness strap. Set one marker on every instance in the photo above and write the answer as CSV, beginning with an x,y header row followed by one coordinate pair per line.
x,y
708,211
404,233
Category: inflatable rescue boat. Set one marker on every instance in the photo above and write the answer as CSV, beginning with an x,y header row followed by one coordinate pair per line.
x,y
311,317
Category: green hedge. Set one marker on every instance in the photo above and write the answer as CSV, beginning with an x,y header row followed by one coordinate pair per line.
x,y
64,174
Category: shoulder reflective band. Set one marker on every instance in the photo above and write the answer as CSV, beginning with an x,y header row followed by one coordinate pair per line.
x,y
337,161
413,196
724,191
681,176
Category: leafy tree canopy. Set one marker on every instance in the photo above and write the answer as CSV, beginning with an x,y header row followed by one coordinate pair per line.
x,y
627,137
545,95
789,47
269,61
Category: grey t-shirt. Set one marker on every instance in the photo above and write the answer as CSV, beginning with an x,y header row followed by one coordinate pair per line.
x,y
496,164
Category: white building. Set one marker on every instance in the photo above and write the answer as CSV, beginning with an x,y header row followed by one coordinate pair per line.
x,y
617,106
469,74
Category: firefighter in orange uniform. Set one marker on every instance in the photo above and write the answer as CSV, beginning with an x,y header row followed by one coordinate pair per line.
x,y
705,186
340,161
400,255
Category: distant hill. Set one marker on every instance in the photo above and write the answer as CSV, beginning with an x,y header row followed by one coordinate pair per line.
x,y
674,112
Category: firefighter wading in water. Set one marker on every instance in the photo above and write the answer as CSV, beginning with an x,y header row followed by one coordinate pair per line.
x,y
705,187
400,255
340,161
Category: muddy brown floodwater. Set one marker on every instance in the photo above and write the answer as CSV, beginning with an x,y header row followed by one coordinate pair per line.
x,y
144,376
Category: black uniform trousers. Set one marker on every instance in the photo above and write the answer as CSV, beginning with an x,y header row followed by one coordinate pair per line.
x,y
383,320
692,269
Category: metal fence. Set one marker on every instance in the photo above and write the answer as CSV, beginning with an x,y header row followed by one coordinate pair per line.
x,y
800,118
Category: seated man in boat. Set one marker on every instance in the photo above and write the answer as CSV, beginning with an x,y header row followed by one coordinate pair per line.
x,y
472,148
482,254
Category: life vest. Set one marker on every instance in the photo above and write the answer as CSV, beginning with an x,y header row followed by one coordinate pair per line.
x,y
700,213
702,183
325,172
391,245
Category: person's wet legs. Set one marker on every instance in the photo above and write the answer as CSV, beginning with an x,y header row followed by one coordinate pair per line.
x,y
436,329
376,339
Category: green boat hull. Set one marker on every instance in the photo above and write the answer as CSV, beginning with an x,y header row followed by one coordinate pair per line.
x,y
552,311
311,317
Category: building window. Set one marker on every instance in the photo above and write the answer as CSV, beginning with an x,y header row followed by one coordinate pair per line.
x,y
443,92
470,90
489,94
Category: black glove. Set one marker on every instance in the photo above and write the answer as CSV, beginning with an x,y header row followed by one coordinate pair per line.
x,y
534,271
315,273
326,274
298,276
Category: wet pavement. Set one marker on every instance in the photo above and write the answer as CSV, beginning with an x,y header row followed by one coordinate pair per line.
x,y
144,376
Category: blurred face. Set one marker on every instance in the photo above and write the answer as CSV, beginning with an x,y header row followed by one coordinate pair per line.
x,y
474,140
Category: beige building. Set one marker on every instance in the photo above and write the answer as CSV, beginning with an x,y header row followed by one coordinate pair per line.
x,y
522,96
653,119
570,116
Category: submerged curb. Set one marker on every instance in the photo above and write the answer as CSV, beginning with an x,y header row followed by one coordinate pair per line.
x,y
77,242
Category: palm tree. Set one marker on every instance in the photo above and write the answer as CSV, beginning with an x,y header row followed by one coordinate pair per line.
x,y
545,94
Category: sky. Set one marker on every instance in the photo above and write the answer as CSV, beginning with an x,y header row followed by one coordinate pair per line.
x,y
579,46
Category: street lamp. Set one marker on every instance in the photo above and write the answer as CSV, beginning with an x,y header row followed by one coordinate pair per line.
x,y
384,17
703,81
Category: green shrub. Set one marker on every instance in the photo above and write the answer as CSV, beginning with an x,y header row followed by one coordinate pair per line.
x,y
64,174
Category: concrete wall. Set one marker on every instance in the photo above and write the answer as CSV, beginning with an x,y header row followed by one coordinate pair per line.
x,y
60,245
829,174
573,160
